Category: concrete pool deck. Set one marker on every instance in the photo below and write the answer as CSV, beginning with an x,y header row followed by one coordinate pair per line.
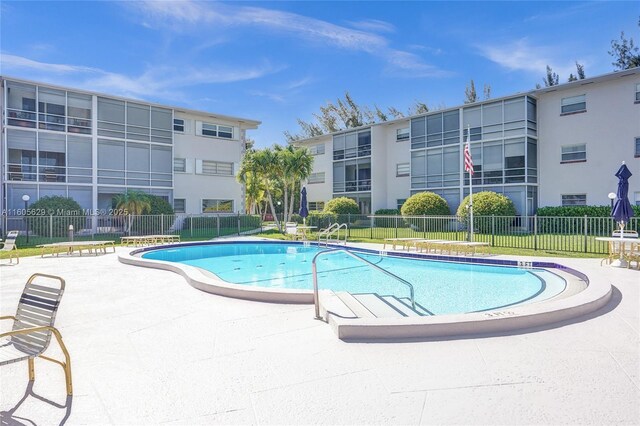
x,y
147,348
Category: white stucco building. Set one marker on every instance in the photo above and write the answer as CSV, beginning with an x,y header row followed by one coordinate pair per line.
x,y
554,146
92,146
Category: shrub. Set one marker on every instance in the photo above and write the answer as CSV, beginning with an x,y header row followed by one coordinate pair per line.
x,y
425,204
342,205
486,203
159,205
51,216
553,220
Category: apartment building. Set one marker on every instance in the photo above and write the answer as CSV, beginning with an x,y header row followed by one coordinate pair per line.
x,y
91,146
553,146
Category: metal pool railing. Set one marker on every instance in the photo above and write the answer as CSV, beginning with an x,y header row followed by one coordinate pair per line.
x,y
314,269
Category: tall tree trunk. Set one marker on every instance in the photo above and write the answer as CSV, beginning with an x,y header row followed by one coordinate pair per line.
x,y
292,198
273,210
285,212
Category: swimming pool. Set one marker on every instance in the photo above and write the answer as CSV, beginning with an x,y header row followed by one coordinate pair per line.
x,y
440,287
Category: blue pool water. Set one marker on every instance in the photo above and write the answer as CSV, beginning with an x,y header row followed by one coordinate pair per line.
x,y
440,287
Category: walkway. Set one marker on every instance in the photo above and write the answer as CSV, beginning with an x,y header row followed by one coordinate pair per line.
x,y
149,349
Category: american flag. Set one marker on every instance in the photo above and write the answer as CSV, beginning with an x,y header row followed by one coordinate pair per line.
x,y
468,162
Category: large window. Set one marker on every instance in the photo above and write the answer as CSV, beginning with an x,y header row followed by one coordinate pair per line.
x,y
352,145
217,130
316,149
316,177
214,206
574,104
574,153
206,167
179,205
316,206
180,165
574,199
435,130
403,169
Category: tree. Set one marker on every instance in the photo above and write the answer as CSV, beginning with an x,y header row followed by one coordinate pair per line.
x,y
342,205
551,79
298,168
579,73
254,186
346,113
625,54
487,91
267,168
131,203
470,95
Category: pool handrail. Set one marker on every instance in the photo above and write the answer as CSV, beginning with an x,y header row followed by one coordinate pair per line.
x,y
327,230
335,250
333,229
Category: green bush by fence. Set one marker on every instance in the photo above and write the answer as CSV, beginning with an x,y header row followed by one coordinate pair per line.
x,y
51,216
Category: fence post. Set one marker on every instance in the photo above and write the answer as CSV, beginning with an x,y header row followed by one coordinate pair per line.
x,y
535,232
50,225
238,223
396,226
493,230
585,232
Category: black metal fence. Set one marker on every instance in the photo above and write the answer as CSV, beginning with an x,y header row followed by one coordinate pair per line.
x,y
35,230
571,234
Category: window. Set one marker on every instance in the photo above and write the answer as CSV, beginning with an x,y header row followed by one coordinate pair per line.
x,y
574,200
213,206
574,153
316,206
400,202
403,169
178,125
638,93
637,154
402,134
216,130
179,205
574,104
316,177
216,168
180,165
316,149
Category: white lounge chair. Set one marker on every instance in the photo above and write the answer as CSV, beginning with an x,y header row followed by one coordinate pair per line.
x,y
9,244
33,326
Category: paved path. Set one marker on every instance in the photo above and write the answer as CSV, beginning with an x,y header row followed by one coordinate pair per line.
x,y
149,349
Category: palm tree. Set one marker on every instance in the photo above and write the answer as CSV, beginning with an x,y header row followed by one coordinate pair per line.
x,y
132,203
268,169
254,186
299,166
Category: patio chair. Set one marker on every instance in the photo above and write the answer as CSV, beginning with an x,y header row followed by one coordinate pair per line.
x,y
9,244
627,233
33,326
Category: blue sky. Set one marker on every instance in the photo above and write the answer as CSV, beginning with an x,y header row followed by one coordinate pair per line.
x,y
277,61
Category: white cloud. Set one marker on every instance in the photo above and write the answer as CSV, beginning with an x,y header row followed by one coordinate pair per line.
x,y
373,25
522,55
176,16
155,81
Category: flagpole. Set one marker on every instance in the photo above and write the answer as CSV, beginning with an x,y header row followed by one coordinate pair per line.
x,y
470,187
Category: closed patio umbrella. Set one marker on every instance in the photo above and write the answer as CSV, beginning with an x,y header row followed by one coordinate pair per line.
x,y
304,212
622,210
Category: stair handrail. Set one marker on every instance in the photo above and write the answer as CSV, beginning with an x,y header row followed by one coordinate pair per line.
x,y
314,268
325,231
331,230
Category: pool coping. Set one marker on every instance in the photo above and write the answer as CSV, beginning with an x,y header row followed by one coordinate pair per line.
x,y
518,317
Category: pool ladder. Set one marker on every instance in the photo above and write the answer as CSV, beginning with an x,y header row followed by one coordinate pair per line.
x,y
314,268
332,230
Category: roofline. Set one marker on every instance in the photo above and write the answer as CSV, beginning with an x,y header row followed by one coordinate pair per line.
x,y
597,79
410,117
251,124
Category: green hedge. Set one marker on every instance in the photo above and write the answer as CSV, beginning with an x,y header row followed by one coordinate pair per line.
x,y
552,220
